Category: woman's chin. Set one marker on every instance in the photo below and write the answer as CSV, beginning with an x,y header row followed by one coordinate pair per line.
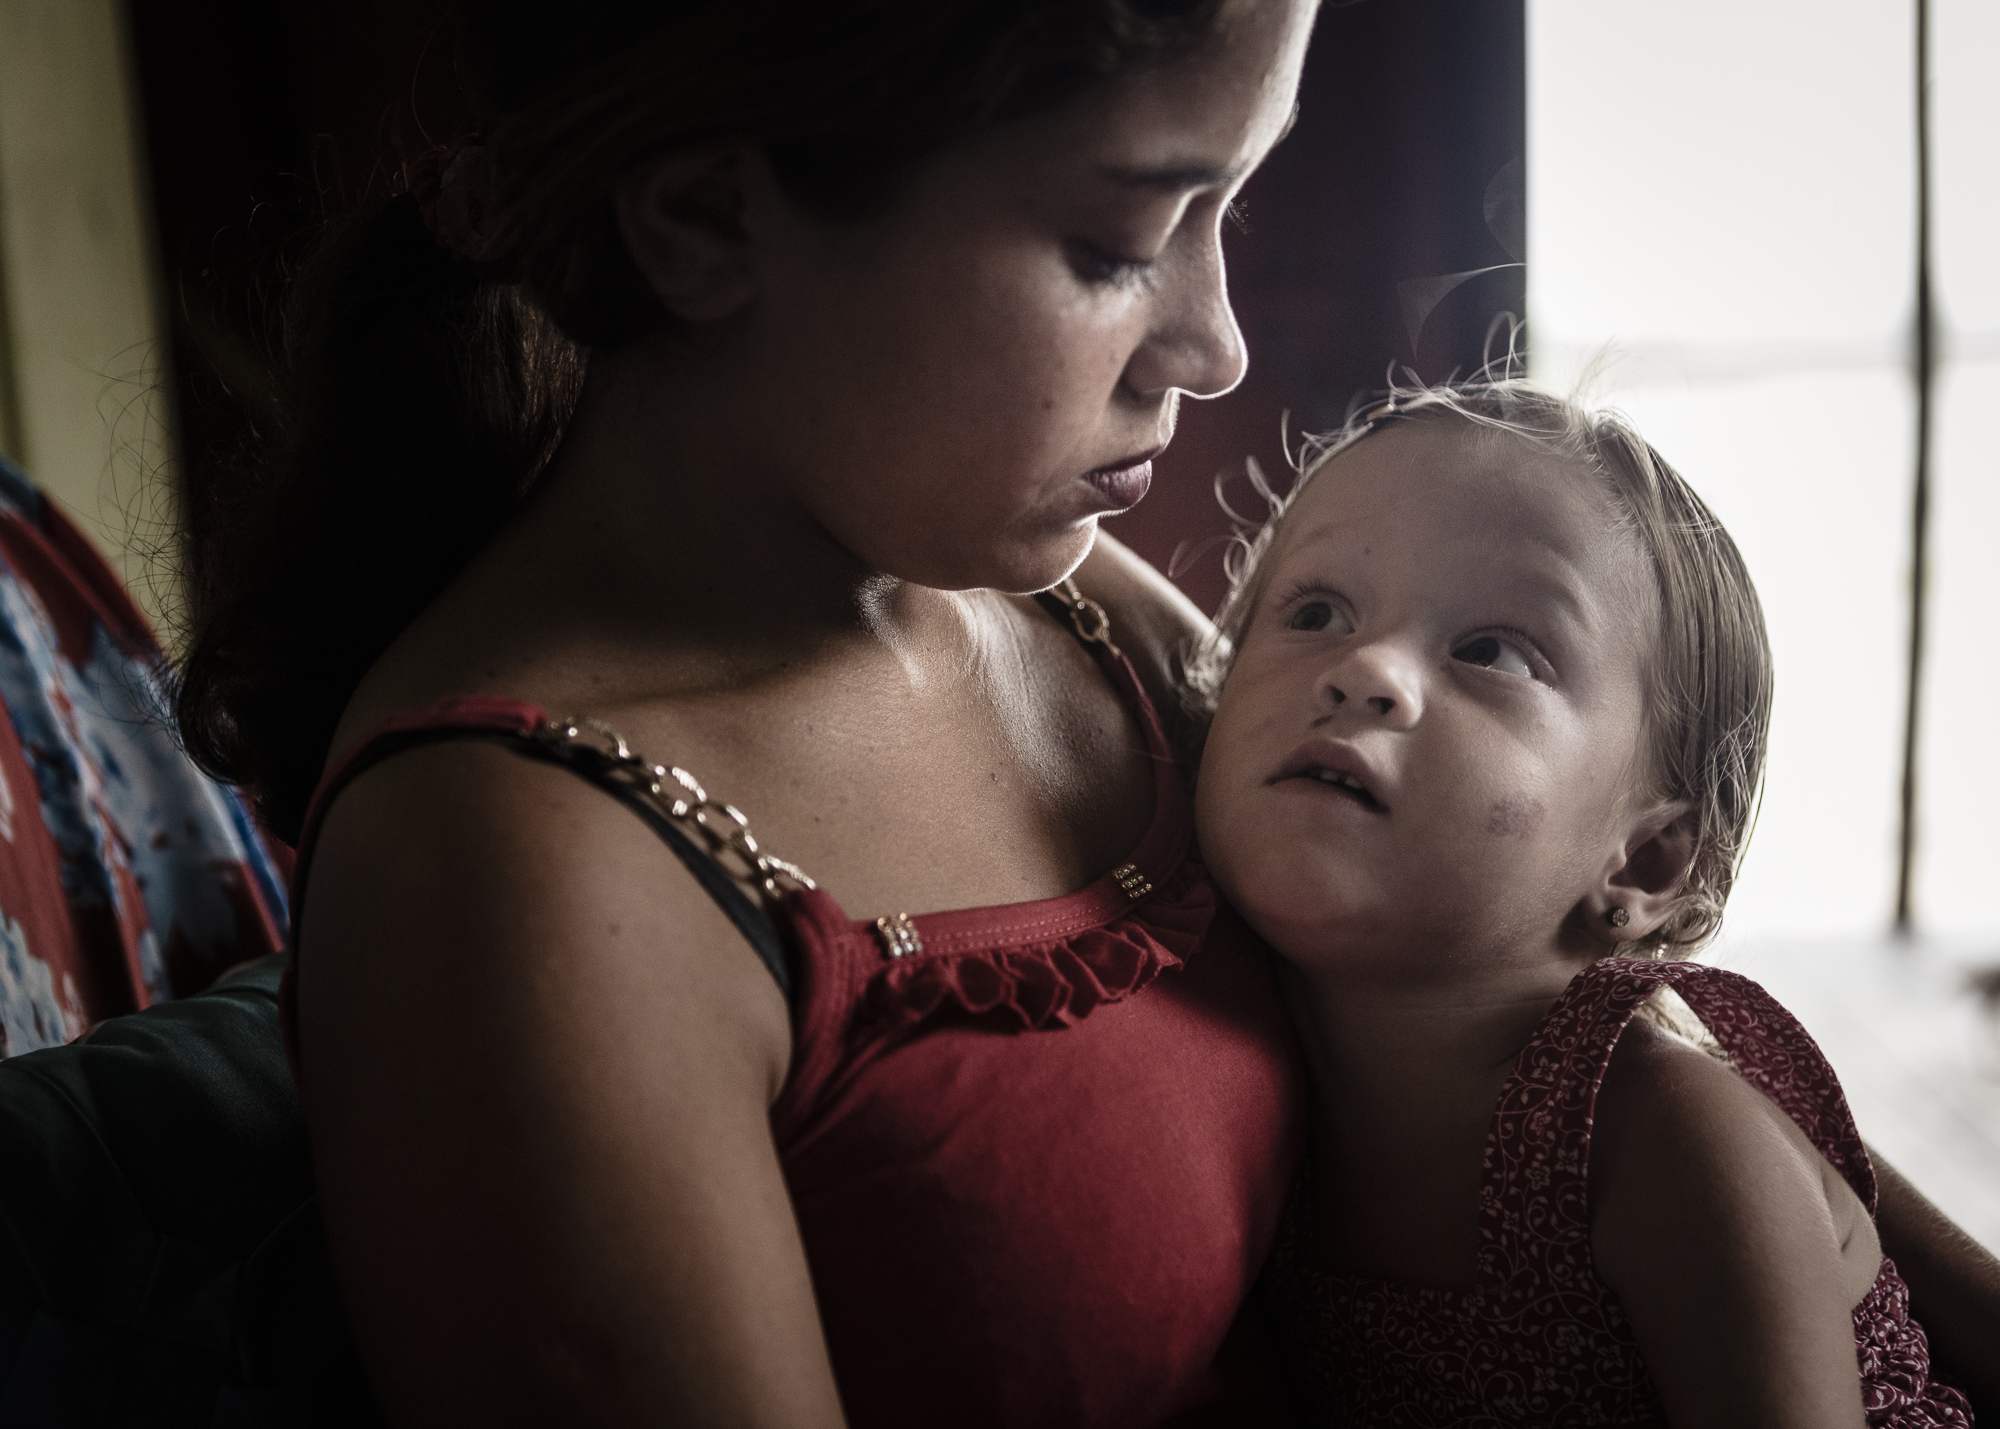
x,y
1018,567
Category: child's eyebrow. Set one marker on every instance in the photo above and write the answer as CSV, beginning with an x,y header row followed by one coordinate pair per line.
x,y
1556,584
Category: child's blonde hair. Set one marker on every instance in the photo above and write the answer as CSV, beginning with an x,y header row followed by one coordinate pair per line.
x,y
1708,696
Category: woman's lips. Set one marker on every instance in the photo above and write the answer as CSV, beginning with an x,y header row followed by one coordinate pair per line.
x,y
1123,486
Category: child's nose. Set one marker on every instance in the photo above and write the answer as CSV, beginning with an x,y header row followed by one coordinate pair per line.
x,y
1379,680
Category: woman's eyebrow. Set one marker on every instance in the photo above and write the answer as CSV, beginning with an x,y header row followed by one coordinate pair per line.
x,y
1170,177
1177,176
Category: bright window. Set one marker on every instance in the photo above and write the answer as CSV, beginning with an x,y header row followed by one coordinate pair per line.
x,y
1722,204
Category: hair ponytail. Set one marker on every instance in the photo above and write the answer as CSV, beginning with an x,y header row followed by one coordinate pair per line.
x,y
421,404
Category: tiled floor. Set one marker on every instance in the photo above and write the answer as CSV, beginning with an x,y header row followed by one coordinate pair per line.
x,y
1917,1048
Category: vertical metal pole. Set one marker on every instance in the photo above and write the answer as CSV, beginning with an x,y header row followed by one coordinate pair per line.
x,y
1923,367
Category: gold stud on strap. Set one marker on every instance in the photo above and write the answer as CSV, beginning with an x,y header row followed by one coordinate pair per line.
x,y
899,935
1135,883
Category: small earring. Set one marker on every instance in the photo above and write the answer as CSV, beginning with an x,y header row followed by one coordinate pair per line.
x,y
1617,917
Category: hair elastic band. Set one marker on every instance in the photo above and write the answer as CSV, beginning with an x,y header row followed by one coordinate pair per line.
x,y
455,189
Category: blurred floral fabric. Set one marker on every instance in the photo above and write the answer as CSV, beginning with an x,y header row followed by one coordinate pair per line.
x,y
127,877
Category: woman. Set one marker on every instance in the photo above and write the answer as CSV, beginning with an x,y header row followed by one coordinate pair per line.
x,y
885,305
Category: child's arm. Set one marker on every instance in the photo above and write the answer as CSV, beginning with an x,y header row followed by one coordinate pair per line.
x,y
1954,1287
1729,1242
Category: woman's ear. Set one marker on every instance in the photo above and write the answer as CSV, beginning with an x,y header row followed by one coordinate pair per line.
x,y
683,219
1647,876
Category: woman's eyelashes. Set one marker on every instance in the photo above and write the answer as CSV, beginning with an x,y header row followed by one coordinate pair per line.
x,y
1496,652
1102,268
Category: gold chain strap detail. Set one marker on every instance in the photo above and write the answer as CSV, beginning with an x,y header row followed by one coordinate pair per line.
x,y
1092,621
679,795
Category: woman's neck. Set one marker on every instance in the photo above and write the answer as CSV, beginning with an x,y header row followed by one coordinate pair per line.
x,y
657,503
656,557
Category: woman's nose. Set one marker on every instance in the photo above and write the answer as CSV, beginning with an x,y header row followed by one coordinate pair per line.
x,y
1374,683
1195,345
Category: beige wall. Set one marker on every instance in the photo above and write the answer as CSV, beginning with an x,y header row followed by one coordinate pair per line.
x,y
84,404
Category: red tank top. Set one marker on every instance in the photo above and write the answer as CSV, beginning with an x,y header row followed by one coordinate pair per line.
x,y
1543,1341
1037,1152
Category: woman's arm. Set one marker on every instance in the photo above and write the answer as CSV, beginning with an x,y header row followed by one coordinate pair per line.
x,y
1711,1219
538,1064
1954,1286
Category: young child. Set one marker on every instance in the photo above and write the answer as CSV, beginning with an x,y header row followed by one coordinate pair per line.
x,y
1481,771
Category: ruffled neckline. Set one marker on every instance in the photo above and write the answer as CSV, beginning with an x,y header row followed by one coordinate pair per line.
x,y
1046,982
1051,962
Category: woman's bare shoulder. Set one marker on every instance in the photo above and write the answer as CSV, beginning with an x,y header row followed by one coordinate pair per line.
x,y
538,1065
467,862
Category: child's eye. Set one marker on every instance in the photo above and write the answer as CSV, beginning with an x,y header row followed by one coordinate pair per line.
x,y
1493,653
1319,615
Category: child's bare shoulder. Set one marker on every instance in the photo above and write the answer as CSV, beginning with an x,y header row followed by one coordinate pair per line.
x,y
1737,1252
1658,1083
1670,1115
1681,1140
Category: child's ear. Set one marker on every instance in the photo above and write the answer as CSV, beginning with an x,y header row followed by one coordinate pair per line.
x,y
683,217
1646,875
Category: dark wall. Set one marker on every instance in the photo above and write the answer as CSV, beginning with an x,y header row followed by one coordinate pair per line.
x,y
1410,114
257,114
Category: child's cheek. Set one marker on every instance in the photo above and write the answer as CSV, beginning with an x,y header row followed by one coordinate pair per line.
x,y
1224,824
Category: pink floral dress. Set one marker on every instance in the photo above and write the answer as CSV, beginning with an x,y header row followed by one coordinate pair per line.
x,y
1542,1341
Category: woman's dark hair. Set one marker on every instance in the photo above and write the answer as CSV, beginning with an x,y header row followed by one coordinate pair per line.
x,y
424,399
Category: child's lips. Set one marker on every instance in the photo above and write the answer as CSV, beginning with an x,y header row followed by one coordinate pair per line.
x,y
1344,784
1337,767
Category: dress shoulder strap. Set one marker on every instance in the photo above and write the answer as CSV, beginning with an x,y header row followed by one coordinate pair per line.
x,y
1776,1055
712,839
1091,624
1534,1196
